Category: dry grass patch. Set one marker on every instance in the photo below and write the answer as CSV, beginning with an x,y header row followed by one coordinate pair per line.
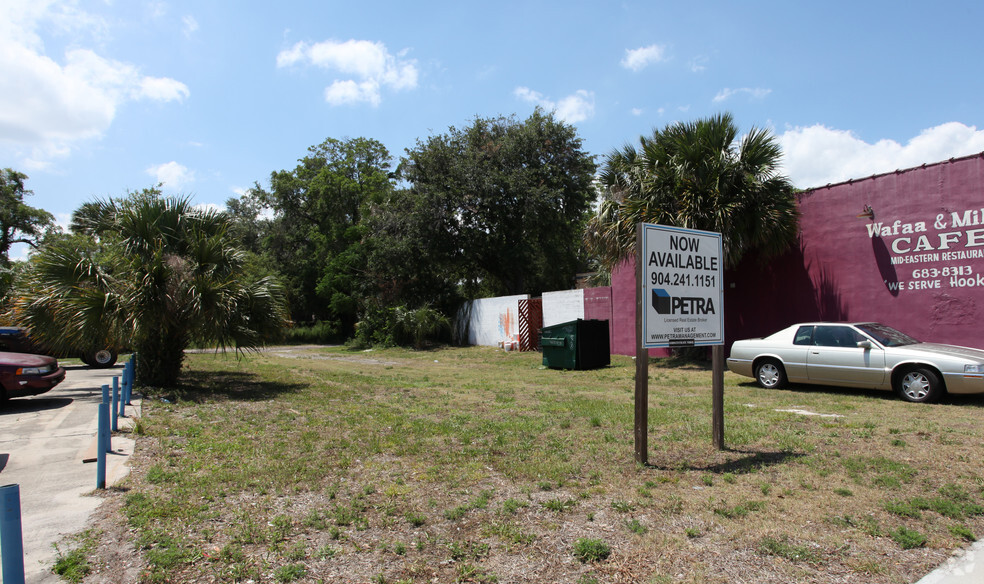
x,y
475,465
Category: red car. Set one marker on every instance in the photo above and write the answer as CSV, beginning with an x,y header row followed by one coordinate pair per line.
x,y
23,374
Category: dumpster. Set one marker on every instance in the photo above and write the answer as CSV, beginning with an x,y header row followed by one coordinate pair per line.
x,y
578,344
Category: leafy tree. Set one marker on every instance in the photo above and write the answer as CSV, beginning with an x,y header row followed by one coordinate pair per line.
x,y
153,273
697,175
316,235
19,222
498,207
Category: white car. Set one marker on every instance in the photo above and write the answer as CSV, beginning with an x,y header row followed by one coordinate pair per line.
x,y
863,355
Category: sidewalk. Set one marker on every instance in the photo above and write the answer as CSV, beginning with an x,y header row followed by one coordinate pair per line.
x,y
46,438
964,567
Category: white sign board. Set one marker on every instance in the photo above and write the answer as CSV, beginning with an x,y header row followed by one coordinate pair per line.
x,y
682,287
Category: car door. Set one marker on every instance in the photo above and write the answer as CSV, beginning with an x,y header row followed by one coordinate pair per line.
x,y
836,358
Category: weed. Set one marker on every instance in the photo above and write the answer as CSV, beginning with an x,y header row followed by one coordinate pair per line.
x,y
740,510
470,573
963,532
511,506
692,532
908,538
903,509
591,550
468,550
509,532
290,572
781,547
74,565
623,506
415,519
843,492
635,527
326,552
559,505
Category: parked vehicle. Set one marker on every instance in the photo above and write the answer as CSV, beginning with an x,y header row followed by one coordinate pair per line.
x,y
24,374
18,340
862,355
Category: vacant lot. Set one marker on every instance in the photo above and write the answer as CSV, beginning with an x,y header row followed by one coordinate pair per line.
x,y
475,465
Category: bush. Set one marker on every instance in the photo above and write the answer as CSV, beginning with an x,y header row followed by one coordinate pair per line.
x,y
382,326
420,325
319,333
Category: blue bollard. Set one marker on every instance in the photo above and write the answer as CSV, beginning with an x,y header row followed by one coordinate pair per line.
x,y
102,446
128,381
115,411
122,393
104,433
11,535
105,390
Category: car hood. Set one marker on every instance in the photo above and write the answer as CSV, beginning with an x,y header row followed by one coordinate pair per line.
x,y
25,359
976,355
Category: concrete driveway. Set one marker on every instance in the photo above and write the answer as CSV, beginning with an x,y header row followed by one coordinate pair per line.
x,y
43,440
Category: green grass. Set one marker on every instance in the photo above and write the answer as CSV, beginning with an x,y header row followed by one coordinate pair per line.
x,y
588,550
422,465
73,565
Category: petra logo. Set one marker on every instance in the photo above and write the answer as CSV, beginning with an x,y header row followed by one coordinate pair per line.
x,y
666,304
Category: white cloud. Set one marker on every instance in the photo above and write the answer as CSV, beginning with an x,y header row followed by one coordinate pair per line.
x,y
698,64
639,59
636,111
572,109
48,105
172,175
189,25
817,155
753,92
368,66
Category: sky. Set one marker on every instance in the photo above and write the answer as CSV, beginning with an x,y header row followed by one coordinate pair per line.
x,y
209,97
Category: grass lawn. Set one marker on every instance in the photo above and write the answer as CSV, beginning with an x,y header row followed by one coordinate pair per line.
x,y
477,465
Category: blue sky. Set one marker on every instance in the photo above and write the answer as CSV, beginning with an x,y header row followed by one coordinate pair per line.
x,y
209,97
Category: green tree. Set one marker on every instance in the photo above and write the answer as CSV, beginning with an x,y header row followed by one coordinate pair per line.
x,y
498,207
19,222
316,235
697,175
155,274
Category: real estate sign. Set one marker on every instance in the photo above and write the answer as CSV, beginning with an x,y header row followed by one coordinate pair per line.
x,y
682,287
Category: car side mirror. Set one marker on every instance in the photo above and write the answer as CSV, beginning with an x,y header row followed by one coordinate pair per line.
x,y
864,344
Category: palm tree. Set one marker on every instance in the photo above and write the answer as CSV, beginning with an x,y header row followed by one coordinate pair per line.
x,y
153,273
694,175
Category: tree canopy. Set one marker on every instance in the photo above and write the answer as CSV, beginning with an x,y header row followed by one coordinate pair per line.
x,y
697,175
315,238
19,222
499,206
153,273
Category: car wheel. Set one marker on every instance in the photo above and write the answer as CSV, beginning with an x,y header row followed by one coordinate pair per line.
x,y
919,385
101,359
770,374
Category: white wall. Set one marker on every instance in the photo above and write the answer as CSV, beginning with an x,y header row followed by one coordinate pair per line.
x,y
562,306
488,321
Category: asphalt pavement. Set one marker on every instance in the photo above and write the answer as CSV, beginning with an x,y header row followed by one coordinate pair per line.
x,y
43,441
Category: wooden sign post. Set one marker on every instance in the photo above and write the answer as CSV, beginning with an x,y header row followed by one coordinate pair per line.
x,y
679,303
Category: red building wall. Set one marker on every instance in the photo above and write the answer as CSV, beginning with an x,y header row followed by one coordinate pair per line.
x,y
917,265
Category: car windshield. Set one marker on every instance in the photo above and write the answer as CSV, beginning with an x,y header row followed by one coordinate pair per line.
x,y
886,335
